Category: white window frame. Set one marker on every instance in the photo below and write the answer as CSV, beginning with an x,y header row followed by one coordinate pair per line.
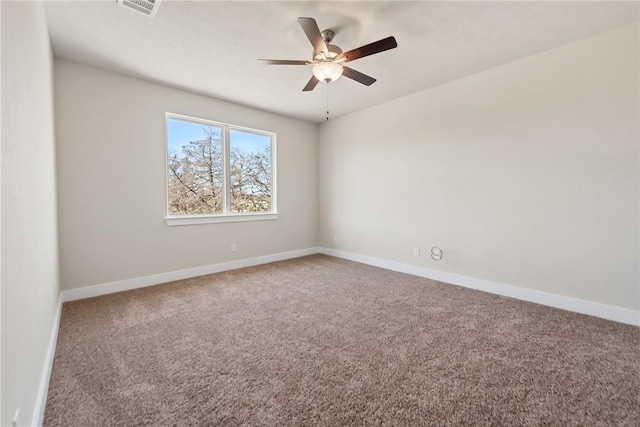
x,y
226,215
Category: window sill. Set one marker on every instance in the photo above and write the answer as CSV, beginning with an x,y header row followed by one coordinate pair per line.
x,y
210,219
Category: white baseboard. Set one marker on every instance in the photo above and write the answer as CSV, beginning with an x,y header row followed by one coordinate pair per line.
x,y
156,279
608,312
43,389
617,314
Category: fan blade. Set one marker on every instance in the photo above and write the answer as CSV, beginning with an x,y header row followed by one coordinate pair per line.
x,y
357,76
285,62
310,28
311,84
369,49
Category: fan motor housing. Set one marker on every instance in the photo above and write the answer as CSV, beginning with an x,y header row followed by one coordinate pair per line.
x,y
334,51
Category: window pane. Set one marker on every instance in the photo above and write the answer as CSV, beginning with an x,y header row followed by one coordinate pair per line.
x,y
194,167
250,171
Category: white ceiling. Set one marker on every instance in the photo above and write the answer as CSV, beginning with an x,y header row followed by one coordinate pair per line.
x,y
211,47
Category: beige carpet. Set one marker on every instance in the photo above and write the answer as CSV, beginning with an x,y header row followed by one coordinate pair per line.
x,y
323,341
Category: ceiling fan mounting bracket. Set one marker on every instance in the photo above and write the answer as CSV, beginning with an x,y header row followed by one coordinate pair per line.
x,y
328,35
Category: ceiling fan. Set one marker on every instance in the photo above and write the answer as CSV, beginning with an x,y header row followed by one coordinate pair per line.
x,y
328,58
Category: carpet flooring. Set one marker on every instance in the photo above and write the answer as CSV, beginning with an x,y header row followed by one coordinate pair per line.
x,y
323,341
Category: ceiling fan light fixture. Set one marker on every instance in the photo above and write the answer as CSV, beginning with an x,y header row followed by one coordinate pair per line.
x,y
327,71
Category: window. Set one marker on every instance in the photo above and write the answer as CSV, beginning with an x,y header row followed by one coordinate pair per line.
x,y
218,172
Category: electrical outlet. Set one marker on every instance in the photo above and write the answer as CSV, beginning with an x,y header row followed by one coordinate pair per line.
x,y
233,247
335,238
416,251
16,418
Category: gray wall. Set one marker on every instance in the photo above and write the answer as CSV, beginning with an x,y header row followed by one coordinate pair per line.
x,y
526,174
112,189
29,237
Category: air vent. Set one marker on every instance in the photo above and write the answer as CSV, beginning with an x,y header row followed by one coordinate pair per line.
x,y
148,7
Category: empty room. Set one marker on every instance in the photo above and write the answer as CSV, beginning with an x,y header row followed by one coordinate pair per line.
x,y
224,213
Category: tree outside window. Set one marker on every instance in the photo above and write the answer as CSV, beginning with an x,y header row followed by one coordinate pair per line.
x,y
216,169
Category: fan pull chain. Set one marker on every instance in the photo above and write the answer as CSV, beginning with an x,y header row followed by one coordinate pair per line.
x,y
327,101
